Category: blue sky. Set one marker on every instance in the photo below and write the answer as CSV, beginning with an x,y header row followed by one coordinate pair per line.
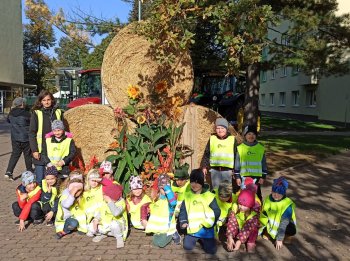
x,y
99,8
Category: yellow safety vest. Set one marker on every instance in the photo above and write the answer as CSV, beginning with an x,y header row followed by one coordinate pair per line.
x,y
76,213
180,192
53,192
135,211
221,151
225,207
39,133
274,211
92,200
250,159
32,193
57,151
240,216
107,217
199,213
158,221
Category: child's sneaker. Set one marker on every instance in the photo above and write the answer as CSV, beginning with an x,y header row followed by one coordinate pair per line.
x,y
90,234
177,238
8,175
59,235
98,238
49,223
120,242
38,222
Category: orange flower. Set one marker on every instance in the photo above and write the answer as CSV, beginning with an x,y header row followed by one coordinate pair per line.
x,y
114,145
161,87
141,119
177,113
133,91
148,165
176,101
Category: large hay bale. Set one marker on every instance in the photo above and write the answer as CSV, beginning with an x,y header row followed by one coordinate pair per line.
x,y
93,127
200,124
129,60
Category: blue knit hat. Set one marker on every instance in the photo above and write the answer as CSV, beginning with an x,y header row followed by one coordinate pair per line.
x,y
280,185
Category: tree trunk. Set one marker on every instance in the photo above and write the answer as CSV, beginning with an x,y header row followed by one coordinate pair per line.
x,y
251,107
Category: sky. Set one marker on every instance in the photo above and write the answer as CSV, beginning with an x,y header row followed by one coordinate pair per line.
x,y
98,8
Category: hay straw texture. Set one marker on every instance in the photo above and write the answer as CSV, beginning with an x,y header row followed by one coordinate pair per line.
x,y
200,124
128,60
91,126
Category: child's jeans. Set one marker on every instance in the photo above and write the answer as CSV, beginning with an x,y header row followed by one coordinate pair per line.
x,y
209,244
35,211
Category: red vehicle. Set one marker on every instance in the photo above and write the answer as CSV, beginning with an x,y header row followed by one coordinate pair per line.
x,y
89,88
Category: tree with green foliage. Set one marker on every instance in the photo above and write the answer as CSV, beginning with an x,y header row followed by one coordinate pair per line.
x,y
38,38
71,53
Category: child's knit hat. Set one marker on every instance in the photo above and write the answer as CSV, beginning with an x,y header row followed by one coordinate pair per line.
x,y
221,122
27,178
246,198
57,125
250,128
18,101
182,172
111,190
51,171
106,167
280,185
135,182
225,189
197,176
249,183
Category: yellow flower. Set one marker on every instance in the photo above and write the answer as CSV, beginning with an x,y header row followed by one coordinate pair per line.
x,y
133,91
176,101
141,119
176,114
161,87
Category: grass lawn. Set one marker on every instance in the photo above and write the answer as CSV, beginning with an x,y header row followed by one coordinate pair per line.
x,y
272,123
287,151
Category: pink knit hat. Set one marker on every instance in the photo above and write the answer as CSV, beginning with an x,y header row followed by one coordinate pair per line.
x,y
246,198
111,190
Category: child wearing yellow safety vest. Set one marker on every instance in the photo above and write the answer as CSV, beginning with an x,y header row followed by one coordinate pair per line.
x,y
49,195
243,223
249,183
161,221
135,201
27,207
92,198
70,216
59,149
112,218
199,213
250,159
44,112
278,217
180,185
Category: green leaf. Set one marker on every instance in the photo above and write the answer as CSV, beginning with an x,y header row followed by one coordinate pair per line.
x,y
112,158
157,147
146,132
159,134
129,110
120,169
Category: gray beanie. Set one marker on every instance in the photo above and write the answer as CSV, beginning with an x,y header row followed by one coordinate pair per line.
x,y
27,178
57,124
221,122
17,102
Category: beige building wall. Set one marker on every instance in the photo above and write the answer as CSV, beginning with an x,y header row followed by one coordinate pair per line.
x,y
11,42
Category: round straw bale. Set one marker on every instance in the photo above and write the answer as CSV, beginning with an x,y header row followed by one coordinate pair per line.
x,y
93,127
200,124
129,60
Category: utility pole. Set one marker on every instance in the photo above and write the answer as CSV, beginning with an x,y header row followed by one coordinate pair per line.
x,y
139,10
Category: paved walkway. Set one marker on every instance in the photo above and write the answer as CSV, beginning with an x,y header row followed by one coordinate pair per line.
x,y
318,189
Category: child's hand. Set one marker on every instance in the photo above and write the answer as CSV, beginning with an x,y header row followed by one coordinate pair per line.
x,y
60,163
279,244
107,199
238,182
238,245
230,243
36,155
21,225
144,223
185,225
23,196
261,181
161,191
49,216
205,171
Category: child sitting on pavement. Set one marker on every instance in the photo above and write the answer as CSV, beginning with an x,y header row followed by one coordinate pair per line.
x,y
27,207
243,223
199,213
180,185
278,214
49,195
135,201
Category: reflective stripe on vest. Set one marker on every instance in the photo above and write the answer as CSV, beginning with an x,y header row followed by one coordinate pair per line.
x,y
240,216
53,192
250,159
135,211
39,133
180,192
91,201
199,213
221,151
32,193
274,211
158,221
57,151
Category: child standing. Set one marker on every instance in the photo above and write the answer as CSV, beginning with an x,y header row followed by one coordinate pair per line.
x,y
27,207
70,216
161,221
58,150
180,185
278,213
199,213
49,195
112,218
250,159
220,152
243,223
135,201
19,119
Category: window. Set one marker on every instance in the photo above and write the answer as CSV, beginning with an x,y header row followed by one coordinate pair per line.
x,y
272,99
273,73
282,99
284,71
263,76
311,98
295,98
285,41
262,99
